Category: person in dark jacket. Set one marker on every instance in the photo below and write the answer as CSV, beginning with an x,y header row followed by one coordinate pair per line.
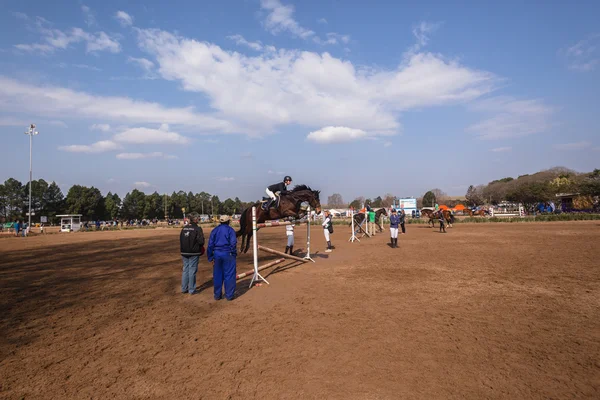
x,y
222,251
394,222
442,221
191,241
280,187
402,216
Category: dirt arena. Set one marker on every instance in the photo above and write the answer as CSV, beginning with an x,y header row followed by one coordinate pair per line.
x,y
486,311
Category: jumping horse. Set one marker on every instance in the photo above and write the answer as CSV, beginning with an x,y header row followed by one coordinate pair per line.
x,y
290,206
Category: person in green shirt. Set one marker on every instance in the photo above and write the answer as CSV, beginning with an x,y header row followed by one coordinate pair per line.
x,y
372,222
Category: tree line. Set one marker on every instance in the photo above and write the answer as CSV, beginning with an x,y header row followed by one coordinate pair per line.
x,y
48,200
542,186
526,189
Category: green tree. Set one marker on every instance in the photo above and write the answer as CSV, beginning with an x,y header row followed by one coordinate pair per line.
x,y
38,189
53,202
88,202
216,206
112,206
204,202
228,207
14,201
154,206
134,205
429,199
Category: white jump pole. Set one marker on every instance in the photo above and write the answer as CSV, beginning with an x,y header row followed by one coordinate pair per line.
x,y
257,276
307,256
353,237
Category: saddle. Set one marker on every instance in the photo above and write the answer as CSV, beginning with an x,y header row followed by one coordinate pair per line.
x,y
267,202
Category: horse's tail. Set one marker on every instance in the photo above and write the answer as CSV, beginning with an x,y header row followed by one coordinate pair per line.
x,y
243,223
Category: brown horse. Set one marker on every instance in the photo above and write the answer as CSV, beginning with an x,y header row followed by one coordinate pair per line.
x,y
433,215
481,213
360,217
290,207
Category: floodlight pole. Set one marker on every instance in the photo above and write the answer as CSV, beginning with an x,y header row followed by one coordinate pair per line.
x,y
31,132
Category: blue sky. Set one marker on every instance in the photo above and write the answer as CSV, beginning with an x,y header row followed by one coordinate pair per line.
x,y
229,96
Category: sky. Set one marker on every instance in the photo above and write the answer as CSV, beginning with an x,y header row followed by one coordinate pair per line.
x,y
350,97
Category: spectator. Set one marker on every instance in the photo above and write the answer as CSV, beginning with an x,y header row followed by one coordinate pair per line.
x,y
327,230
222,251
289,231
191,242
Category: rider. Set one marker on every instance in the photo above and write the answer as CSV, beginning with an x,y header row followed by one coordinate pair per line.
x,y
280,188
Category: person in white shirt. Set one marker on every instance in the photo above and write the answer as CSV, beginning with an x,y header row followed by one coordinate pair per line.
x,y
289,231
327,230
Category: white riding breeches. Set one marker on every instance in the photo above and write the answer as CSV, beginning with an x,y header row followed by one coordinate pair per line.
x,y
326,233
394,233
271,194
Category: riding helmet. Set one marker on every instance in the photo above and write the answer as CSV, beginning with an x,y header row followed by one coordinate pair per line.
x,y
287,178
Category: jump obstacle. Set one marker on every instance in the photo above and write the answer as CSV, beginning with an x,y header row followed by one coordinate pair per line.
x,y
521,213
255,247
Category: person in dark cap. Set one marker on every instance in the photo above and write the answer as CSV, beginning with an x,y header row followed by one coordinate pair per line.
x,y
191,242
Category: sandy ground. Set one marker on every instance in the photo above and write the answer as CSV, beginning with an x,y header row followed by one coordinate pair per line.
x,y
486,311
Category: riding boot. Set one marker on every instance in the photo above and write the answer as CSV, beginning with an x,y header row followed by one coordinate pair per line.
x,y
328,247
392,241
286,249
396,242
291,250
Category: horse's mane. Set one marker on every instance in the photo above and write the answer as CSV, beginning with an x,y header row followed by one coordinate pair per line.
x,y
300,188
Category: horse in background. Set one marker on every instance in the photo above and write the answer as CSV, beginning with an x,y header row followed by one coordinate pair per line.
x,y
360,217
290,206
481,213
433,215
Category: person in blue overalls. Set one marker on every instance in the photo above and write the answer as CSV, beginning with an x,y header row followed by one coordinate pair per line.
x,y
222,251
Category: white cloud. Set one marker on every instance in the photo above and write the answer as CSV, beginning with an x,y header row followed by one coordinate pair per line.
x,y
58,123
142,184
322,21
66,103
241,41
139,156
336,134
573,146
111,180
143,63
151,136
280,18
501,149
53,39
98,147
80,66
225,179
88,14
511,118
332,38
584,55
310,89
124,18
422,32
387,144
100,127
